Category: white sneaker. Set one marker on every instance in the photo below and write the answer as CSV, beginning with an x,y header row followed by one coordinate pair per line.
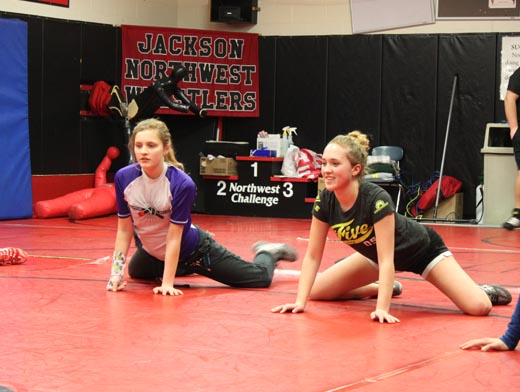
x,y
279,251
512,223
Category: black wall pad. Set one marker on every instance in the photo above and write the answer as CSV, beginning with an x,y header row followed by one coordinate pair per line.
x,y
97,134
408,96
246,128
301,95
36,98
354,85
470,56
60,89
100,57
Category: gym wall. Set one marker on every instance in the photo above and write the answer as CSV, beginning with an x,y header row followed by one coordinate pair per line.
x,y
395,87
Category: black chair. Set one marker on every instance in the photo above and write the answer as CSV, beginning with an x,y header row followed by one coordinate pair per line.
x,y
383,168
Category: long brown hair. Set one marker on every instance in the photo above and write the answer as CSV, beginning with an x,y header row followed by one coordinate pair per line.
x,y
164,135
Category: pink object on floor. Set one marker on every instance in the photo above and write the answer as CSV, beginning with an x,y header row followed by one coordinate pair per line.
x,y
12,256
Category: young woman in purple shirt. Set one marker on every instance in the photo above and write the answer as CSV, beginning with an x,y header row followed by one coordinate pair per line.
x,y
154,200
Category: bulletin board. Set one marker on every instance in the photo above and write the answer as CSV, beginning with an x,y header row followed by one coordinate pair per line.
x,y
478,9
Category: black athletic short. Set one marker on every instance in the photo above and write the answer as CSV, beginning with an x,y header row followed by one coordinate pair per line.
x,y
516,148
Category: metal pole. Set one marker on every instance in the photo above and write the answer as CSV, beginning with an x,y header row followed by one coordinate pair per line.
x,y
444,150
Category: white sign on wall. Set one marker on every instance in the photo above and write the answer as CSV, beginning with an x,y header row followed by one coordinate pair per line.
x,y
502,3
510,61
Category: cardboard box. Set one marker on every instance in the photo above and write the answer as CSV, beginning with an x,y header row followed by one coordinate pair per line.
x,y
218,167
450,208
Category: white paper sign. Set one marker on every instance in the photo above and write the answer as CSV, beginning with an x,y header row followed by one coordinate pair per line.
x,y
510,61
502,3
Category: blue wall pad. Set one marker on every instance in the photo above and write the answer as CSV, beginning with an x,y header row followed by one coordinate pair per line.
x,y
15,161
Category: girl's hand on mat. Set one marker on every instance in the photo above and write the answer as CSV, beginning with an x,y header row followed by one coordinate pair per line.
x,y
293,308
116,284
485,344
382,316
167,290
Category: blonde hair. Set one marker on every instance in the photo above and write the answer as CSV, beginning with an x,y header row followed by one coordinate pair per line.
x,y
356,145
164,135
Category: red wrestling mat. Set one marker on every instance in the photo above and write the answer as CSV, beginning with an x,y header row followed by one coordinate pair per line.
x,y
63,332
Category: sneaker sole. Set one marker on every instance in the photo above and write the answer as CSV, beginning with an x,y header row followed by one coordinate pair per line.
x,y
291,256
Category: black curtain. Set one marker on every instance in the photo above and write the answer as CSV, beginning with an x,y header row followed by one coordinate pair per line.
x,y
354,85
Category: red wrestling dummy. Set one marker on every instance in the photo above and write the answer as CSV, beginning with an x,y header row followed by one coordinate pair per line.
x,y
86,203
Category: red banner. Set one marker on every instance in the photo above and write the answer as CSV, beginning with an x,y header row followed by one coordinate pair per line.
x,y
222,67
61,3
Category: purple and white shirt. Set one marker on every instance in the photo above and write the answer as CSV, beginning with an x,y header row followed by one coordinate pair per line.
x,y
154,203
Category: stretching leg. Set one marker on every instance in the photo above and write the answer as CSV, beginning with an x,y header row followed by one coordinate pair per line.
x,y
350,278
449,277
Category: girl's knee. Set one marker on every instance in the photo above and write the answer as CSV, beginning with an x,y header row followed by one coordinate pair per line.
x,y
318,294
478,308
264,283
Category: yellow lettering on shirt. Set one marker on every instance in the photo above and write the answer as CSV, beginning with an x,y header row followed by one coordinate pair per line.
x,y
352,234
